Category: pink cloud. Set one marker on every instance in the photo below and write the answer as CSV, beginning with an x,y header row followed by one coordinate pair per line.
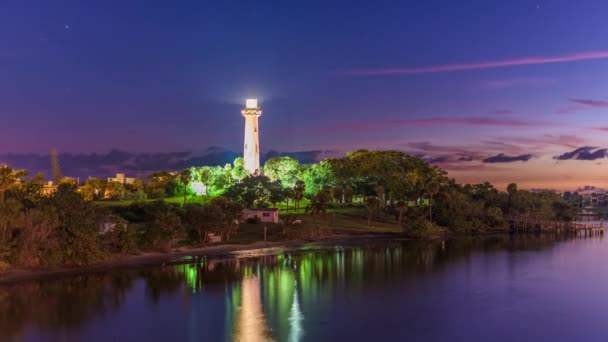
x,y
569,110
593,103
484,65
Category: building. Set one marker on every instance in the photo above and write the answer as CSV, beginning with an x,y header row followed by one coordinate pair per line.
x,y
251,148
120,178
592,196
49,188
270,215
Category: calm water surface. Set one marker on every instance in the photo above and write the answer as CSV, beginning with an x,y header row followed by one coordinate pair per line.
x,y
497,288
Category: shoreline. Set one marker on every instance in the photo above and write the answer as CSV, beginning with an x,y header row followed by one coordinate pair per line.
x,y
177,256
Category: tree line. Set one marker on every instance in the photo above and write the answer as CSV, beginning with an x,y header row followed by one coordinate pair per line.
x,y
68,226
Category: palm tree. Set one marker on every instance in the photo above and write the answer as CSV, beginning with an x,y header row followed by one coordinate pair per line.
x,y
432,188
185,177
298,192
319,203
373,204
402,206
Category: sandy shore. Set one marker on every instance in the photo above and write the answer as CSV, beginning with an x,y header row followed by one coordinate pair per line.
x,y
179,255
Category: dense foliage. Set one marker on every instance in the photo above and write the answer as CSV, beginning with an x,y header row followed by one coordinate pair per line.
x,y
68,226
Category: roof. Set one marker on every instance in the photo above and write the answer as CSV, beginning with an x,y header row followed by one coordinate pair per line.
x,y
262,209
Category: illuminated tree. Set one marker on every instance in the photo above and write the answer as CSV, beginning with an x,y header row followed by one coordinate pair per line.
x,y
317,176
114,191
9,178
283,169
93,189
238,171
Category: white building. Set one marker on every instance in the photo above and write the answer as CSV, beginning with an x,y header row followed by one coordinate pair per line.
x,y
270,215
120,178
251,148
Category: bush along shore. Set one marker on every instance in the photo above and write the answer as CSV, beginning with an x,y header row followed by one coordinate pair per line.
x,y
366,192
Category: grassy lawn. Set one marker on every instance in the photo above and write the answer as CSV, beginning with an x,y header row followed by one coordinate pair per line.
x,y
347,220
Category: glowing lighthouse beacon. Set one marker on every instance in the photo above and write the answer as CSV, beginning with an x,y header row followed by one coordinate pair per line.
x,y
251,150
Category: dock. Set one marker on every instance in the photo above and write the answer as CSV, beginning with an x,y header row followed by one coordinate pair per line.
x,y
531,224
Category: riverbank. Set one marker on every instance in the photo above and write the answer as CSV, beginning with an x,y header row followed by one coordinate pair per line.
x,y
180,255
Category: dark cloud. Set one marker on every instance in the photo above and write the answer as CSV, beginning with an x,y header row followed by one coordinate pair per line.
x,y
592,103
584,153
136,164
503,158
465,158
435,160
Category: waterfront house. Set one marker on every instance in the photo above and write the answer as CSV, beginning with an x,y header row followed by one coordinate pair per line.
x,y
270,215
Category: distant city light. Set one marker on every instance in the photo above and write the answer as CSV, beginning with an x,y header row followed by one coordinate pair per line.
x,y
251,103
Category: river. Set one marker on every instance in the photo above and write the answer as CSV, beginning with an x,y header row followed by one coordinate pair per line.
x,y
494,288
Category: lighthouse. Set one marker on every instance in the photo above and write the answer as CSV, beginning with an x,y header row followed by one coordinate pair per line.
x,y
251,148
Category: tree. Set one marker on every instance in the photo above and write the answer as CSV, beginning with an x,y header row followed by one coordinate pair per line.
x,y
373,205
163,225
204,220
79,224
512,189
11,217
337,193
317,176
348,195
433,189
9,177
254,191
402,206
319,203
232,213
56,169
161,184
238,171
283,169
93,189
113,191
298,192
185,177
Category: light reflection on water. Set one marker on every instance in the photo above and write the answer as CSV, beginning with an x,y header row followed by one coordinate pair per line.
x,y
426,290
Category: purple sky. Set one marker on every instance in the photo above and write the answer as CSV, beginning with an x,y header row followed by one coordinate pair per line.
x,y
499,91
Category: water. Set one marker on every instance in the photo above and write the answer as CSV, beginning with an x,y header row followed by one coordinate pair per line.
x,y
496,288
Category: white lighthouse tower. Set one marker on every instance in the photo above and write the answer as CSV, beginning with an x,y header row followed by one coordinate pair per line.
x,y
251,150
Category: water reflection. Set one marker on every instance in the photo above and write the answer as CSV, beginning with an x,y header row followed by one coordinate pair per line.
x,y
284,297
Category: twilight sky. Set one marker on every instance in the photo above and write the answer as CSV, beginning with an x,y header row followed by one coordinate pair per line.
x,y
490,90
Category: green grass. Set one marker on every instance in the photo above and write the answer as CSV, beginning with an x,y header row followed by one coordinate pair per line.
x,y
348,220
